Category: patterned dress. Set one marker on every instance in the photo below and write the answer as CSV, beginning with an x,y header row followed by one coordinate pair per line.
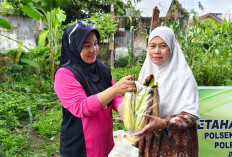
x,y
179,139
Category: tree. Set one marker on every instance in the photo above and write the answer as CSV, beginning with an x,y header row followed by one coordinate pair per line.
x,y
77,9
81,9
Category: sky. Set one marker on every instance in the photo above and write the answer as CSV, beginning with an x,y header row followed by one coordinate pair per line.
x,y
210,6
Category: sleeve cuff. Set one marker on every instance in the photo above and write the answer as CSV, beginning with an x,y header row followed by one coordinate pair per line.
x,y
116,102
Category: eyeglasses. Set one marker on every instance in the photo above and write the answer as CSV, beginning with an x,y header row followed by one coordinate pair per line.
x,y
91,23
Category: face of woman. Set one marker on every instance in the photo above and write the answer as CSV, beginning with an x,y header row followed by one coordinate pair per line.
x,y
158,50
90,48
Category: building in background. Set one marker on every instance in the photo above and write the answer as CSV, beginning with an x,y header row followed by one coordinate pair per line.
x,y
210,17
141,29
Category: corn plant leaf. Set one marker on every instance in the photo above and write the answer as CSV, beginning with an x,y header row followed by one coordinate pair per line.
x,y
57,55
42,38
29,62
30,113
5,24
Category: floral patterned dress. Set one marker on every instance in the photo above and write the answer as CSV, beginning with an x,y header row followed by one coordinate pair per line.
x,y
179,139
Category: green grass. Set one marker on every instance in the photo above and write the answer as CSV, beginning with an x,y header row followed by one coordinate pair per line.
x,y
30,119
24,135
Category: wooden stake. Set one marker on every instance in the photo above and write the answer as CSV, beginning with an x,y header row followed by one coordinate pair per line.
x,y
111,46
155,18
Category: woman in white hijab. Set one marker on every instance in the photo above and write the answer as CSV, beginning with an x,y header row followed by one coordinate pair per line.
x,y
178,96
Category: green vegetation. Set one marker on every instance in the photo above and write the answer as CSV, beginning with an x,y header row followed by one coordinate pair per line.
x,y
74,9
29,118
208,51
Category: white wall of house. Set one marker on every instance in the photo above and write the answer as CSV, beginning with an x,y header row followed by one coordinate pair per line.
x,y
23,29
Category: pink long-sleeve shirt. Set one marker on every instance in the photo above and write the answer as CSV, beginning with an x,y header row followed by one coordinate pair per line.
x,y
96,120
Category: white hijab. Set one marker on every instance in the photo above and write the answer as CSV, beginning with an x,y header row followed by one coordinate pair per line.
x,y
177,87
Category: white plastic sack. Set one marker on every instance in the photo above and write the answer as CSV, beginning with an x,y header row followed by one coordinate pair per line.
x,y
123,147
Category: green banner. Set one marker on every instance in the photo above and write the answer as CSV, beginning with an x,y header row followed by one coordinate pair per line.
x,y
215,124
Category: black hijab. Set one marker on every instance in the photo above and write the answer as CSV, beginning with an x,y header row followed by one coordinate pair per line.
x,y
94,77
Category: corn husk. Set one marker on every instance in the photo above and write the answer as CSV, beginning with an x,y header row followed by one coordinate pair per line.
x,y
138,103
128,110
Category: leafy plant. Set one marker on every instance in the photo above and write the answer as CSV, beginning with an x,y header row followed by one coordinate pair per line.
x,y
81,9
8,8
48,123
119,72
122,61
208,51
5,24
104,24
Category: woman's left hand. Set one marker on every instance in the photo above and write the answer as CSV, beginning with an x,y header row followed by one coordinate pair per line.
x,y
155,123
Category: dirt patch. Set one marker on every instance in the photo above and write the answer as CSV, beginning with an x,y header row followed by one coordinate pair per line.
x,y
36,140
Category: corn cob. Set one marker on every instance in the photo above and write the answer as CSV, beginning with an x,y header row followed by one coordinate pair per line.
x,y
132,119
141,97
140,120
128,111
152,108
144,104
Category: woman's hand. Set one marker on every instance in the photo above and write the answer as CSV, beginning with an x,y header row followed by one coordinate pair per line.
x,y
125,84
155,123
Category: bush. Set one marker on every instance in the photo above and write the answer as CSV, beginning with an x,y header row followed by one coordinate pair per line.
x,y
122,62
118,73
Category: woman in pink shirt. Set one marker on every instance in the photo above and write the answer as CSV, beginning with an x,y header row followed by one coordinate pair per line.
x,y
87,93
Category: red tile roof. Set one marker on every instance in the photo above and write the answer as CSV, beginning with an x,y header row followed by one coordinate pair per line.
x,y
199,18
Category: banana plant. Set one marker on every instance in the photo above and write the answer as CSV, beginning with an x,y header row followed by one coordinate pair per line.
x,y
52,17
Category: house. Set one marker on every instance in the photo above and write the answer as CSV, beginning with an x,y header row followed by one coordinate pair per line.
x,y
210,17
142,28
177,12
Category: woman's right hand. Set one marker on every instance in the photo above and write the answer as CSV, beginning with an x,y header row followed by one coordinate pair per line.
x,y
155,123
125,84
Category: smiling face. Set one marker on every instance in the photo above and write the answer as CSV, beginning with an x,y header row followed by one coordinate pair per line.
x,y
158,50
90,48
